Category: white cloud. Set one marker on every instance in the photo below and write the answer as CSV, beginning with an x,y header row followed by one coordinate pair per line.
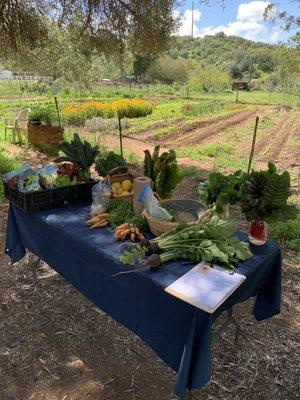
x,y
186,23
246,29
253,11
248,23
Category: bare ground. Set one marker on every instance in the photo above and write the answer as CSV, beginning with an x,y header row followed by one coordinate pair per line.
x,y
55,345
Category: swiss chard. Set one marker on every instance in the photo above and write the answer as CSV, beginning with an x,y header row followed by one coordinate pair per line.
x,y
264,196
163,170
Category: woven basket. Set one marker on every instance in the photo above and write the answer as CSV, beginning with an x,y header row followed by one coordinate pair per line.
x,y
159,227
120,174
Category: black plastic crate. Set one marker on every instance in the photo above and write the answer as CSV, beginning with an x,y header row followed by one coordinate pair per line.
x,y
50,198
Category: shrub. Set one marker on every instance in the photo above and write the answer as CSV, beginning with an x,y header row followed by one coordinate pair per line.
x,y
78,113
131,108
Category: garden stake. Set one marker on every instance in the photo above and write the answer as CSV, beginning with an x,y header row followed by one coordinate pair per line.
x,y
237,96
57,110
253,144
120,135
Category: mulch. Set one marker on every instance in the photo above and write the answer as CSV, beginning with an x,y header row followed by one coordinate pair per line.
x,y
56,345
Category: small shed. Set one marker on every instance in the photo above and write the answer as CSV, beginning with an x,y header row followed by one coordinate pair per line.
x,y
240,85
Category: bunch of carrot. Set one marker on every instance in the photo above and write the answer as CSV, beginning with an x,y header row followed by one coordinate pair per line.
x,y
128,231
98,220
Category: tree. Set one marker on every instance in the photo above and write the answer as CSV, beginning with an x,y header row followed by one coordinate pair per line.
x,y
61,57
235,72
168,70
209,79
105,26
140,65
288,21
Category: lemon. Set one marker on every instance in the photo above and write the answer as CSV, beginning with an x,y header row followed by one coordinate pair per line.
x,y
127,185
116,186
119,191
125,193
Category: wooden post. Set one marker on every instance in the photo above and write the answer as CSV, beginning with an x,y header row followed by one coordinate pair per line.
x,y
237,97
187,91
253,144
120,136
270,98
57,110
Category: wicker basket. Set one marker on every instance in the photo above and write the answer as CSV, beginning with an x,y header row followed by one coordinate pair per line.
x,y
194,207
120,174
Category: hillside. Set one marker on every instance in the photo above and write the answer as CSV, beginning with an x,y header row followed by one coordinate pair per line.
x,y
227,51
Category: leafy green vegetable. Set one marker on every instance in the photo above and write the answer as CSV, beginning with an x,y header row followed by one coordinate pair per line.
x,y
81,153
133,256
105,162
222,190
264,195
63,180
163,170
122,211
212,241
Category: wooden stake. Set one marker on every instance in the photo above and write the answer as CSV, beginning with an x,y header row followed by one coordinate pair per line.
x,y
120,136
253,144
57,109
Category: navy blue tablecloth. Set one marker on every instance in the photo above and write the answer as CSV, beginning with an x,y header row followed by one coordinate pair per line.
x,y
178,332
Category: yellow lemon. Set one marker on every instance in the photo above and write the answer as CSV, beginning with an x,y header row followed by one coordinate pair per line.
x,y
127,185
119,191
116,185
125,193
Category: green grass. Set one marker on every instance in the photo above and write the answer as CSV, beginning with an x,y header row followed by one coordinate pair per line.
x,y
164,131
193,172
6,165
209,150
287,233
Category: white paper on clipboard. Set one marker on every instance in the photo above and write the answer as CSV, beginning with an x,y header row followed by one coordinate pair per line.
x,y
205,287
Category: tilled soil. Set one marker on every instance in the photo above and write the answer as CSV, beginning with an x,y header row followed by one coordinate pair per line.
x,y
199,135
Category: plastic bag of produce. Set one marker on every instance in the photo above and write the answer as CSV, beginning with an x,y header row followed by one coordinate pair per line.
x,y
152,205
16,172
29,182
47,176
101,193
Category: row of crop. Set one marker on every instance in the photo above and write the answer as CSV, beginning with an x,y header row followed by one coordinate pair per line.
x,y
78,113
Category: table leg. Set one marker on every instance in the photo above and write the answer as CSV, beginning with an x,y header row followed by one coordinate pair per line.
x,y
33,267
230,320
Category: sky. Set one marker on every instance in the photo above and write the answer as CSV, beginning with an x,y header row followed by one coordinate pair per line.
x,y
238,17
